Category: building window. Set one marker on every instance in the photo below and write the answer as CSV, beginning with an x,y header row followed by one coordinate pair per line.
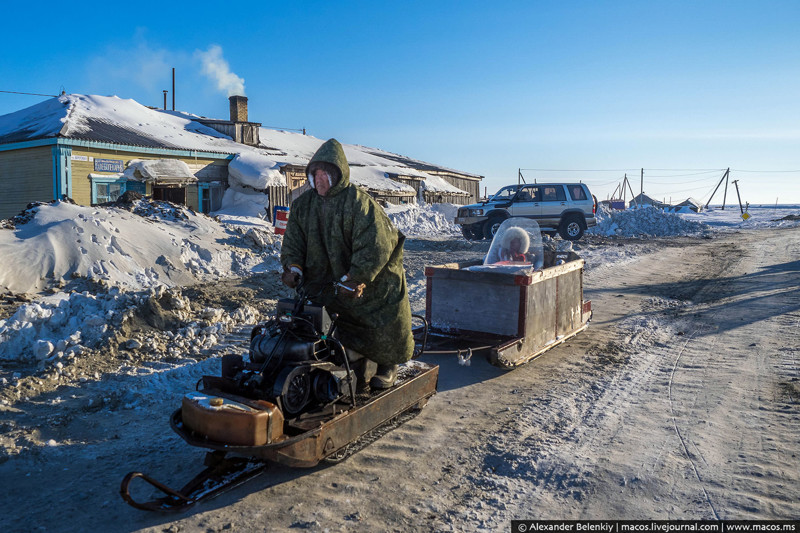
x,y
136,186
107,188
210,196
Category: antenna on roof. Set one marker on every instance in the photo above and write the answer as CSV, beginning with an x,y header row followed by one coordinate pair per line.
x,y
173,90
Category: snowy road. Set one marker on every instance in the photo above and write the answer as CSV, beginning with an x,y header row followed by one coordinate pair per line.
x,y
681,400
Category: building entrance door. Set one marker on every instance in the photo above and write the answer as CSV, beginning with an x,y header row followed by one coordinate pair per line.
x,y
176,195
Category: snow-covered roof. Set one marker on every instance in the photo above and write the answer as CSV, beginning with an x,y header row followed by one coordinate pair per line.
x,y
690,201
367,168
254,170
644,199
111,119
155,169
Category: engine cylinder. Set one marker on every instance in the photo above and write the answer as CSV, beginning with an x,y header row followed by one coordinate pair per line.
x,y
262,346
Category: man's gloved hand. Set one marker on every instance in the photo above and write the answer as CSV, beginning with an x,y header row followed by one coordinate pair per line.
x,y
291,276
350,288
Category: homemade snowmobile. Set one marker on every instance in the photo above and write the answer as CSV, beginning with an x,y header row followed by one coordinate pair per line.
x,y
293,398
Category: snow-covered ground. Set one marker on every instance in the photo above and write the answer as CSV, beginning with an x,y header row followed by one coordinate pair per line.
x,y
136,251
649,221
140,249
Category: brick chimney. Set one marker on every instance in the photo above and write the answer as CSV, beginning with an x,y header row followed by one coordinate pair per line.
x,y
238,108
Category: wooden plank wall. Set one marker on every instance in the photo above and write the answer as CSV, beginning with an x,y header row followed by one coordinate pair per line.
x,y
475,306
205,169
25,176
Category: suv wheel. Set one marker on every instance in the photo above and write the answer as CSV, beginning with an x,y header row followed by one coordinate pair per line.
x,y
490,227
470,234
571,228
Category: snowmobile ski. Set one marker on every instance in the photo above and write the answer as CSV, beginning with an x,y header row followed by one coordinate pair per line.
x,y
222,474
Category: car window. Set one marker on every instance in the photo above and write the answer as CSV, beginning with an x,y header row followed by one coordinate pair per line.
x,y
528,194
505,193
577,192
553,193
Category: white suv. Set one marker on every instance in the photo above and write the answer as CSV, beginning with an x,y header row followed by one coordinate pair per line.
x,y
568,208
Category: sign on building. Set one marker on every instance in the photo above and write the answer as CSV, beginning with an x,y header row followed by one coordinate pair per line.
x,y
108,165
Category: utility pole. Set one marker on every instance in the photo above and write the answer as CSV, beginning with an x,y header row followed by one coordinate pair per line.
x,y
736,182
173,90
633,198
724,177
641,187
725,194
520,177
624,190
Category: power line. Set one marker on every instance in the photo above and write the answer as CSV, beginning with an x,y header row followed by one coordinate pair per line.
x,y
740,170
678,182
637,169
680,175
30,94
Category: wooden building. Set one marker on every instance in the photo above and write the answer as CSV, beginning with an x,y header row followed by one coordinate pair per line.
x,y
48,153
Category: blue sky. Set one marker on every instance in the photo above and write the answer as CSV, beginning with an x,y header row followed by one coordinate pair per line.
x,y
483,87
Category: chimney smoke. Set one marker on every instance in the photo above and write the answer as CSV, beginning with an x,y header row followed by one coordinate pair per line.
x,y
216,68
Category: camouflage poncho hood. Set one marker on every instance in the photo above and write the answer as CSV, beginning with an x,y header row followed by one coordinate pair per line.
x,y
343,233
332,152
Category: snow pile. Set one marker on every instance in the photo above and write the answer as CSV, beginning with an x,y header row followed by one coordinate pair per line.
x,y
59,326
255,170
424,220
242,204
647,221
156,244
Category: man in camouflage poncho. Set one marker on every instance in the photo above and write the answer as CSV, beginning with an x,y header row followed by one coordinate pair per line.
x,y
337,233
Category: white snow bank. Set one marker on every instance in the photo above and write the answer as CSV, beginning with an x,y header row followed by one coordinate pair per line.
x,y
58,326
120,247
647,221
424,220
255,170
242,204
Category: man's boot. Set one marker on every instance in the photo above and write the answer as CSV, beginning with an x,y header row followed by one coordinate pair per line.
x,y
363,368
385,377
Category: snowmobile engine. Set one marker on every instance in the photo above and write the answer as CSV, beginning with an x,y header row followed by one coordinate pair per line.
x,y
293,361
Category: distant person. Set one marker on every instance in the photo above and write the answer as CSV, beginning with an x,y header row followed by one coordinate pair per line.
x,y
349,255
